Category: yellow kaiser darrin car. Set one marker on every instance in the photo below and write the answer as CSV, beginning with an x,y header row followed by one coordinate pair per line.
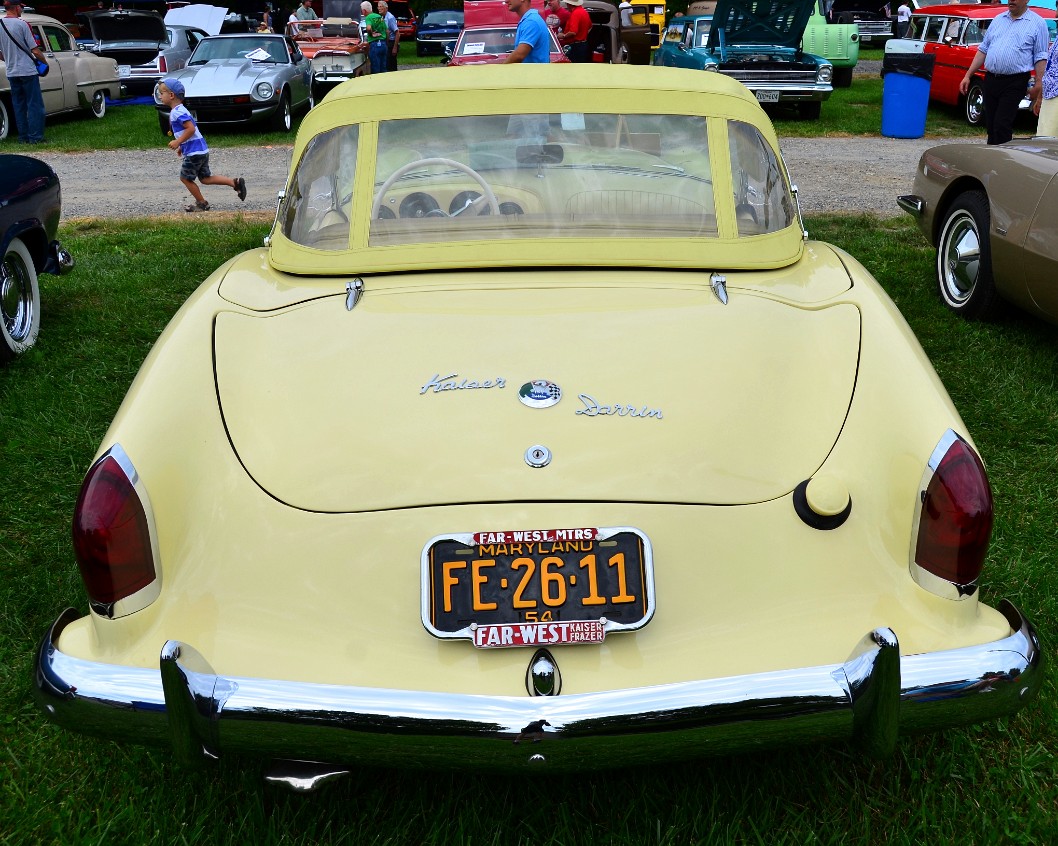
x,y
537,435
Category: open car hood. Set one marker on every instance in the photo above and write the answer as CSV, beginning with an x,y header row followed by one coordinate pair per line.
x,y
412,397
779,23
123,27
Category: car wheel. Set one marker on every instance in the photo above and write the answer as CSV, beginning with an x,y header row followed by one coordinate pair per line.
x,y
842,77
282,120
809,111
5,120
964,258
99,104
975,105
19,302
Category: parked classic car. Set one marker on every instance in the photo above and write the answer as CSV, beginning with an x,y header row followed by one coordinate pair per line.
x,y
77,80
838,43
438,29
30,203
952,34
611,39
758,46
489,45
990,212
876,19
244,78
144,46
418,539
333,47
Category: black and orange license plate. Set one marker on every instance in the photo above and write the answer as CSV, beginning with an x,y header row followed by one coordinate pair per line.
x,y
537,587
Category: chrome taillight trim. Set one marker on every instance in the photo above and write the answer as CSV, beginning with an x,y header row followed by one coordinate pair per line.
x,y
146,595
923,577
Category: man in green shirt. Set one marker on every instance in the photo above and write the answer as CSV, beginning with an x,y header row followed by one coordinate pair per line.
x,y
373,30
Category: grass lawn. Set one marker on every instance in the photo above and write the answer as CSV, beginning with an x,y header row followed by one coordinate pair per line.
x,y
994,783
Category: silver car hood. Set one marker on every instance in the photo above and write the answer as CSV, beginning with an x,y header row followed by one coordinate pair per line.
x,y
227,76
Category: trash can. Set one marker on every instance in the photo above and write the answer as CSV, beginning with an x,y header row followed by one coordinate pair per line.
x,y
905,93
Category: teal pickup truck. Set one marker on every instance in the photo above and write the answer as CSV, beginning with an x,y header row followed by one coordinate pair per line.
x,y
839,43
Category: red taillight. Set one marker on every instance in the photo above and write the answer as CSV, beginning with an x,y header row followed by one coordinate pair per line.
x,y
955,523
162,66
111,536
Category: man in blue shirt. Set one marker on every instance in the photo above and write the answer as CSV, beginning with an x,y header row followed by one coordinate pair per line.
x,y
1014,44
532,40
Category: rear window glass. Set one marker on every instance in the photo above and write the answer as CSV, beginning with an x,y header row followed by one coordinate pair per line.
x,y
542,176
316,208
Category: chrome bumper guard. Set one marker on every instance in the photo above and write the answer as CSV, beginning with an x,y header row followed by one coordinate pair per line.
x,y
912,204
58,259
871,698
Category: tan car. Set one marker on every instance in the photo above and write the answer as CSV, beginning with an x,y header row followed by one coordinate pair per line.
x,y
77,79
990,212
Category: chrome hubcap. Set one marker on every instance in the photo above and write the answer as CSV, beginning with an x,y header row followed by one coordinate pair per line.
x,y
975,106
960,259
16,298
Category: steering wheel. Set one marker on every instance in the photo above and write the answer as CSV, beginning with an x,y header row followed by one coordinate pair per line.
x,y
486,189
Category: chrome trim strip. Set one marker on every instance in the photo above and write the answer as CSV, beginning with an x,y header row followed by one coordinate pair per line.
x,y
868,698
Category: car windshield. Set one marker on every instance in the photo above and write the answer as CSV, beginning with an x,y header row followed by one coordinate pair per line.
x,y
479,42
512,176
496,41
256,48
443,18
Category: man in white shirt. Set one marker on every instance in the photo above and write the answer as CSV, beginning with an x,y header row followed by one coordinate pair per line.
x,y
20,49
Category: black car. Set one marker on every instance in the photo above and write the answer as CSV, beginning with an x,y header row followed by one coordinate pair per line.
x,y
437,29
30,203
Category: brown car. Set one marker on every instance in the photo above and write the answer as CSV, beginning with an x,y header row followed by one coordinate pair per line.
x,y
77,79
990,212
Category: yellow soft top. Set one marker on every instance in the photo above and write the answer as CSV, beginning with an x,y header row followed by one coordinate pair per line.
x,y
502,89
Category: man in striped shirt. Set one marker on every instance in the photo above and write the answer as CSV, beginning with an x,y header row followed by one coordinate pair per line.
x,y
1014,44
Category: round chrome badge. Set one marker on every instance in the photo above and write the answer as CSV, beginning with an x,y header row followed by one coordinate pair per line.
x,y
540,393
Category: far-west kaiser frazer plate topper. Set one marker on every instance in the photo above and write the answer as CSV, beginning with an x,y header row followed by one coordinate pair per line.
x,y
539,434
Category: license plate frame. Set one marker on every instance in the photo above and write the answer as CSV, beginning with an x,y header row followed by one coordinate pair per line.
x,y
606,575
766,96
124,71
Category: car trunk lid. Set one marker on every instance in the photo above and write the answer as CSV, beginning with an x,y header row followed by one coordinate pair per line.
x,y
413,397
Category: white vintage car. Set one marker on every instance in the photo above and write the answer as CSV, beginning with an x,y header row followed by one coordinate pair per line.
x,y
77,80
539,435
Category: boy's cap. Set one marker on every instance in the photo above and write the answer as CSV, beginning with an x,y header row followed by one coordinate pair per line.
x,y
174,85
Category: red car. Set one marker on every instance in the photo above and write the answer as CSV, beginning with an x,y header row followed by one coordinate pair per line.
x,y
488,34
489,45
952,34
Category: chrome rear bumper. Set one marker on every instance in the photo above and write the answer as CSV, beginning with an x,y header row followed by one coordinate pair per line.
x,y
871,698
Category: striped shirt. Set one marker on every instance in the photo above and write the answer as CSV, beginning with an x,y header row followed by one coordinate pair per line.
x,y
1014,45
1050,75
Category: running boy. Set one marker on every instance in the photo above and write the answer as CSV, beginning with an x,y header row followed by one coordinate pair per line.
x,y
189,143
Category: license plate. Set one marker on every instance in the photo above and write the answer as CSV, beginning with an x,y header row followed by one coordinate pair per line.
x,y
537,587
767,96
124,71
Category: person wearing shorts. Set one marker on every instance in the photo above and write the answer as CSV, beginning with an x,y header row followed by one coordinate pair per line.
x,y
192,148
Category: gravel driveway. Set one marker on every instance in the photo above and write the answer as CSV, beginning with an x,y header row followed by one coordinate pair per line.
x,y
833,175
